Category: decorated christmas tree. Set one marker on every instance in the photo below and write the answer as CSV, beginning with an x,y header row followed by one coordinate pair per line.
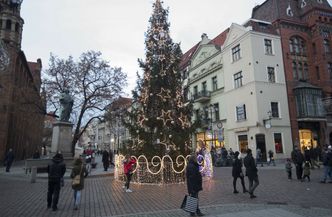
x,y
160,118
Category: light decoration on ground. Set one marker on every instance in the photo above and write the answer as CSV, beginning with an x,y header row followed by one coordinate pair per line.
x,y
160,170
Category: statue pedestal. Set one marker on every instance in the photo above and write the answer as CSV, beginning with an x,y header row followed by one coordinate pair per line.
x,y
62,138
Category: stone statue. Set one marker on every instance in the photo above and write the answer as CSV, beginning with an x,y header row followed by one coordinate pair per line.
x,y
66,102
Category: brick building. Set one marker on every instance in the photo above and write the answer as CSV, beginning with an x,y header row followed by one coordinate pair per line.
x,y
305,28
21,105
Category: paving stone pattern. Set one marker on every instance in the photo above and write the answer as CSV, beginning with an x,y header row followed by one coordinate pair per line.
x,y
103,197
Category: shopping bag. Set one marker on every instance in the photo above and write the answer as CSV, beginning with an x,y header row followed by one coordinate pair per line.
x,y
189,204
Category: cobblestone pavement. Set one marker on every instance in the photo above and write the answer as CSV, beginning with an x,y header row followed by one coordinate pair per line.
x,y
103,196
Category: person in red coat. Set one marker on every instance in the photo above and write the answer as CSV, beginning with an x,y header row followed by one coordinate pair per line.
x,y
128,170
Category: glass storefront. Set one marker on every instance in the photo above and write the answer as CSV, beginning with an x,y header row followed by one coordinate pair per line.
x,y
211,138
307,139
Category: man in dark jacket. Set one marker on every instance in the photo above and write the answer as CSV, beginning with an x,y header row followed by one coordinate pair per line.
x,y
237,173
106,160
194,181
251,172
9,159
327,162
297,158
56,171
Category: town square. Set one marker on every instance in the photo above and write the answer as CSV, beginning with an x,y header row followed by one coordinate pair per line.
x,y
166,108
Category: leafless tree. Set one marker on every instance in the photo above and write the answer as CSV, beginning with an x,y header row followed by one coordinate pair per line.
x,y
92,82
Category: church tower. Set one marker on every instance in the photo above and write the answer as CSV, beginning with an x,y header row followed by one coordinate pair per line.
x,y
11,23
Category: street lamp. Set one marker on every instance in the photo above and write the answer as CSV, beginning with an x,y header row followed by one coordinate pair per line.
x,y
267,121
210,109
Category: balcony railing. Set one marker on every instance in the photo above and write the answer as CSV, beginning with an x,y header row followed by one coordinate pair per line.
x,y
202,96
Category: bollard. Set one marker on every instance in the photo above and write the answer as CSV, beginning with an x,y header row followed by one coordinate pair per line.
x,y
33,174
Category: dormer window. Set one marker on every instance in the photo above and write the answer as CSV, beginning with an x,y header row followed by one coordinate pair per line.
x,y
303,3
289,11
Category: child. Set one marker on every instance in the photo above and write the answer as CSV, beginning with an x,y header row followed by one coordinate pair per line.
x,y
289,167
306,171
128,170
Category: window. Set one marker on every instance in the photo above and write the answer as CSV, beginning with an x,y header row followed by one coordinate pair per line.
x,y
297,46
294,66
268,46
241,113
195,90
271,74
214,83
9,24
275,109
236,53
17,27
317,73
243,143
329,70
314,48
204,87
197,114
278,143
238,80
216,111
327,48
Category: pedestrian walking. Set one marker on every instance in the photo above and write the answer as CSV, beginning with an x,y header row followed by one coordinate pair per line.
x,y
9,159
79,171
313,158
106,160
297,158
288,167
194,181
327,162
56,170
259,157
128,171
306,171
238,173
251,172
271,158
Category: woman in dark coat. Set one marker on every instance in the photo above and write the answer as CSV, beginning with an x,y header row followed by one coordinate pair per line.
x,y
78,169
237,173
194,181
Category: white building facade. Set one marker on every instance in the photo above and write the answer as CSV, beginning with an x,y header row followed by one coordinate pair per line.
x,y
238,88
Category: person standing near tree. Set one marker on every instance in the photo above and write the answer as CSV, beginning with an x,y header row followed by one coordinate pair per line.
x,y
56,170
9,159
251,172
128,171
194,181
237,173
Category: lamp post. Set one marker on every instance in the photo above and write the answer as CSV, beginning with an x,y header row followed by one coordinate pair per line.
x,y
211,108
267,121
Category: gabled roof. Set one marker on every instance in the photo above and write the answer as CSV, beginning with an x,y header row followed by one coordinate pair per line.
x,y
218,41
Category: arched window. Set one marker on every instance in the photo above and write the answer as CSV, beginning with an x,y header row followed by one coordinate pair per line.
x,y
297,46
327,46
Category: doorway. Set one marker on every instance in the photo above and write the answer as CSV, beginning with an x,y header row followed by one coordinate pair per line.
x,y
260,143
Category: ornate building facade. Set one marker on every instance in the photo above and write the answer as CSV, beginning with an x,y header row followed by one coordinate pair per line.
x,y
21,105
305,28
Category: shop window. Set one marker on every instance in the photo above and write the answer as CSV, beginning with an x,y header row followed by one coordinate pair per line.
x,y
278,143
243,143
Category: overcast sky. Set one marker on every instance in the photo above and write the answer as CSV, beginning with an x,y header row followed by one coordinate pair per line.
x,y
117,27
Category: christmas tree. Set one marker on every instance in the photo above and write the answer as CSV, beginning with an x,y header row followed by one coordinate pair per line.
x,y
160,118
